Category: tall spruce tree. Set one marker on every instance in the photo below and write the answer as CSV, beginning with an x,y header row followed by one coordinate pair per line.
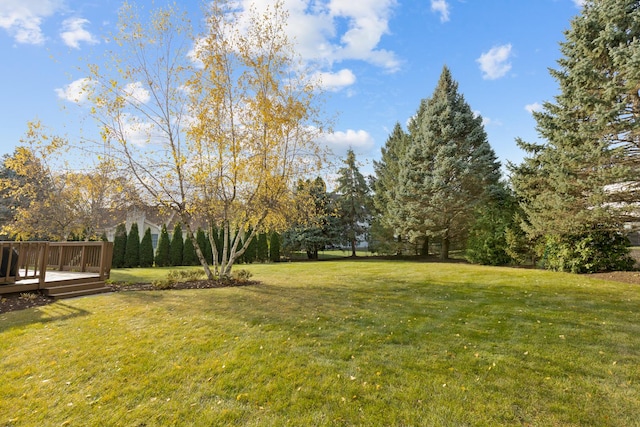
x,y
353,202
146,250
446,171
132,251
119,246
577,186
177,246
163,251
384,187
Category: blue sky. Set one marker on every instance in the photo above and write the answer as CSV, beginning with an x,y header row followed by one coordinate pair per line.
x,y
379,58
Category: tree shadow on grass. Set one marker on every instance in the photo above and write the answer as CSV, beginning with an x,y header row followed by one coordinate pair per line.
x,y
44,314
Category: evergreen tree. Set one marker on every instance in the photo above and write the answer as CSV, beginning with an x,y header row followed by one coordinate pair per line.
x,y
274,247
189,253
204,244
119,246
319,227
487,243
163,251
353,202
132,251
446,171
146,250
177,246
384,187
578,185
251,254
262,249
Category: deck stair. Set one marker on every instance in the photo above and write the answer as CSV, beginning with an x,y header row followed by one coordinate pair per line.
x,y
75,288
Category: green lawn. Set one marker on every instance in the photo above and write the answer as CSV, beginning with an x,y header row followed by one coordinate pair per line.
x,y
365,342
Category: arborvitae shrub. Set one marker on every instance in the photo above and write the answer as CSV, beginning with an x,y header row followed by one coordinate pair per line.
x,y
177,246
263,247
146,250
274,247
204,245
189,253
132,251
163,251
119,246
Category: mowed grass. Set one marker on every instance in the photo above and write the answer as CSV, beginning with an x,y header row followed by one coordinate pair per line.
x,y
370,342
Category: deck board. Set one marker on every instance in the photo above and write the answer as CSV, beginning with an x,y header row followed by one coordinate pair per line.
x,y
52,277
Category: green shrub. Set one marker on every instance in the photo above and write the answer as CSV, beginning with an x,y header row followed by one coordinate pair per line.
x,y
274,247
189,253
163,252
242,275
596,251
177,246
119,246
132,251
146,250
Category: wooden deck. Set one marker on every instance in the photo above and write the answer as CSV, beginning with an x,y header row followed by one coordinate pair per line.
x,y
57,269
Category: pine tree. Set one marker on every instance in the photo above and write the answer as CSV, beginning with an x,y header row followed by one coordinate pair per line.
x,y
262,250
177,246
163,251
353,202
274,247
446,171
319,228
146,250
487,243
578,184
119,246
384,186
189,253
132,251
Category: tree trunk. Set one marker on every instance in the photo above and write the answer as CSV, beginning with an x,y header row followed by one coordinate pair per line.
x,y
444,252
353,247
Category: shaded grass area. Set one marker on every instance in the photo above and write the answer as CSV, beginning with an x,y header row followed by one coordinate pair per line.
x,y
364,342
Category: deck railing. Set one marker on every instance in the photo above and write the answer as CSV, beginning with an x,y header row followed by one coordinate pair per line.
x,y
31,260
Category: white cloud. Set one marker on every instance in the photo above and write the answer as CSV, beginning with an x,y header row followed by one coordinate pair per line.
x,y
315,26
533,107
336,81
495,63
73,32
76,91
136,93
441,7
339,142
22,19
579,3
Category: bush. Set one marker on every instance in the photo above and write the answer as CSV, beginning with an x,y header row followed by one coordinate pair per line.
x,y
119,246
146,250
242,275
132,251
596,251
274,247
189,253
163,252
177,246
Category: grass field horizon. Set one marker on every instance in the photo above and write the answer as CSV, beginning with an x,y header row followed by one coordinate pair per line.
x,y
349,342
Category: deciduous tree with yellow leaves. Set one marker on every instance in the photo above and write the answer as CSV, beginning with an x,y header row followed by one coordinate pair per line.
x,y
216,127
